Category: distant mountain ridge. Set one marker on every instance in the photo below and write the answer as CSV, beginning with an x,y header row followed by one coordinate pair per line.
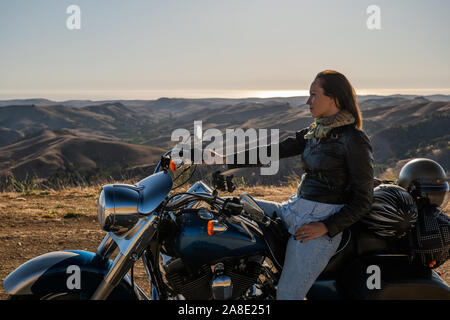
x,y
375,99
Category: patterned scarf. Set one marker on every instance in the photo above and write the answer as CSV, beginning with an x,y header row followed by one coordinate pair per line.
x,y
322,126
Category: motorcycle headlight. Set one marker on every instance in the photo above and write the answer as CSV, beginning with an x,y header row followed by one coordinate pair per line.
x,y
117,208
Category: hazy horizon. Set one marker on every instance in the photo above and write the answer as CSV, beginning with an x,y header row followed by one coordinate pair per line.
x,y
202,94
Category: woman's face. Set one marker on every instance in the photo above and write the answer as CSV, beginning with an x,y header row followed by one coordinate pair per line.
x,y
320,105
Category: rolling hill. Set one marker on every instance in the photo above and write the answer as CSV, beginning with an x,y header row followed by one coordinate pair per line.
x,y
63,153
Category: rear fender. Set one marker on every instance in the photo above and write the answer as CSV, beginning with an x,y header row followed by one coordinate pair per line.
x,y
53,273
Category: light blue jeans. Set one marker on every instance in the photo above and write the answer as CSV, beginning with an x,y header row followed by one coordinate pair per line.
x,y
303,261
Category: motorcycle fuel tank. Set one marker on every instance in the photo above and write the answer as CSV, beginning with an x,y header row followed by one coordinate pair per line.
x,y
195,245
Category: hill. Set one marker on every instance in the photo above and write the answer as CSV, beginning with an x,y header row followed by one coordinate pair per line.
x,y
112,120
417,129
67,155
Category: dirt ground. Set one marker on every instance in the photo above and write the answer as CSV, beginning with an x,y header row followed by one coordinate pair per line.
x,y
44,221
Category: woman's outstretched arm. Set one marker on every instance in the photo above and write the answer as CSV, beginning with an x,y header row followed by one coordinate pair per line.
x,y
291,146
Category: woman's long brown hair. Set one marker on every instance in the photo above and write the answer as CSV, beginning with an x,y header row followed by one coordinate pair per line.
x,y
335,85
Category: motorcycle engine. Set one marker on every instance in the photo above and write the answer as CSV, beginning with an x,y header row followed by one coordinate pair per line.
x,y
225,280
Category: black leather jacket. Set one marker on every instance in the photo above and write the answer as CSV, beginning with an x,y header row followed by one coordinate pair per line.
x,y
338,170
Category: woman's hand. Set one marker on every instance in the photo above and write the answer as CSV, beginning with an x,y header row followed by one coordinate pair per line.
x,y
310,231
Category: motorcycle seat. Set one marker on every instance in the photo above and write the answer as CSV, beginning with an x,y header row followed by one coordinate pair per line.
x,y
367,243
344,251
357,241
346,237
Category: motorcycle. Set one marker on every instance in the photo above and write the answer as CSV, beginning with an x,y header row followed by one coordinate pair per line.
x,y
198,245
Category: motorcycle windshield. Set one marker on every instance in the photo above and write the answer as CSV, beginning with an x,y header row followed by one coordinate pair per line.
x,y
155,189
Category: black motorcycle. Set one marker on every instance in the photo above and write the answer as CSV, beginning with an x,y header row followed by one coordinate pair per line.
x,y
198,245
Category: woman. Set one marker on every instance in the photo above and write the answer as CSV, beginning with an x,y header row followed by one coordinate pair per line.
x,y
336,188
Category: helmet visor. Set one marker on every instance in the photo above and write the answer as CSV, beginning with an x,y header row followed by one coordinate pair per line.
x,y
437,193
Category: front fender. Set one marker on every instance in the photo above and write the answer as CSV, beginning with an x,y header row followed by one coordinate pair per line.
x,y
49,273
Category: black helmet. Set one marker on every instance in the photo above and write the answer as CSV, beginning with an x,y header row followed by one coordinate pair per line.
x,y
393,212
424,179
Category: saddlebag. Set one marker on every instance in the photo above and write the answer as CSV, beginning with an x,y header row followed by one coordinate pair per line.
x,y
431,237
390,277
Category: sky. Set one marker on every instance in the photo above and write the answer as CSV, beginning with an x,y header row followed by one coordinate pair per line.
x,y
145,49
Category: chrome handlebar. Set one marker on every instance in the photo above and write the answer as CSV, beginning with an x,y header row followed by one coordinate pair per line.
x,y
188,197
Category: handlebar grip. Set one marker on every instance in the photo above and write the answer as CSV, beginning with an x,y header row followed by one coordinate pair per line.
x,y
232,208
